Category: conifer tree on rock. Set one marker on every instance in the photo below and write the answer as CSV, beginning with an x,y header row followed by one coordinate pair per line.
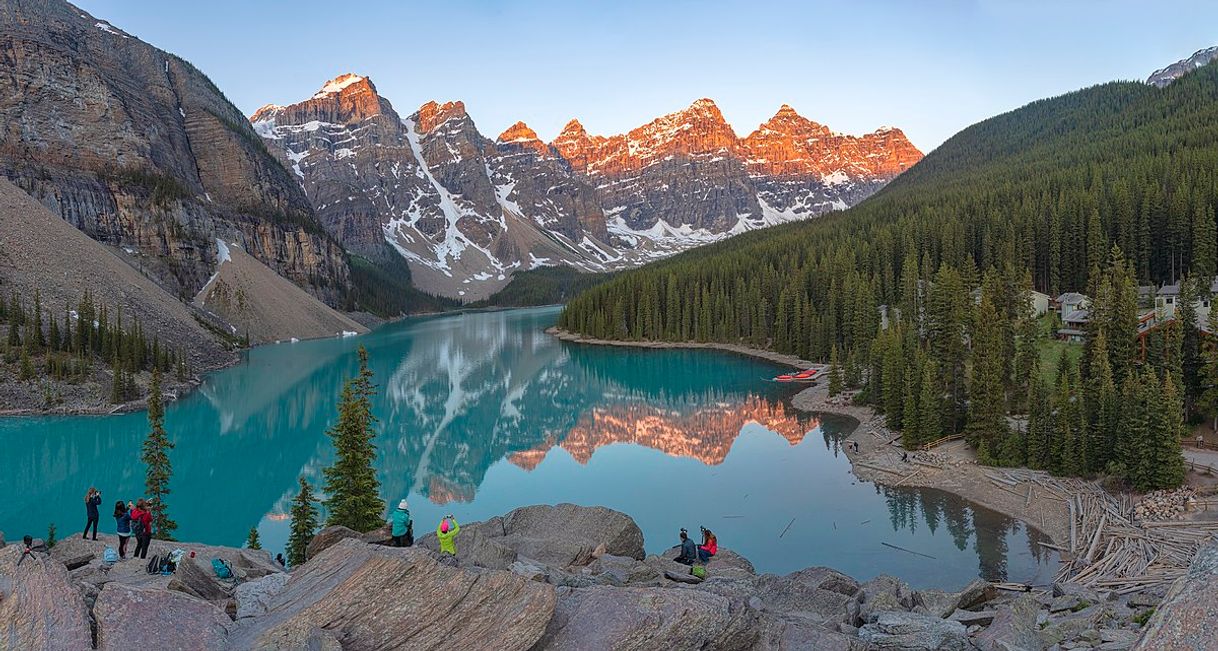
x,y
304,524
352,489
156,457
253,540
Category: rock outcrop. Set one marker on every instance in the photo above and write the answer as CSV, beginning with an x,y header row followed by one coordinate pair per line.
x,y
1165,76
467,212
138,149
148,618
370,597
355,594
557,536
39,607
1187,617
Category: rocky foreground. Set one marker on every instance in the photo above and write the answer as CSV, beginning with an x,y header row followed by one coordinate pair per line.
x,y
553,577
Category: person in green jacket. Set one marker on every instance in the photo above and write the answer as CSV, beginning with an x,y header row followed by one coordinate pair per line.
x,y
402,528
448,530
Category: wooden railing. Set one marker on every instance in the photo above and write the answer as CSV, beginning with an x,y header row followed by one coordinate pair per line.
x,y
937,442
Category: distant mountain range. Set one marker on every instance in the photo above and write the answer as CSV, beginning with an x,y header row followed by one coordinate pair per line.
x,y
467,211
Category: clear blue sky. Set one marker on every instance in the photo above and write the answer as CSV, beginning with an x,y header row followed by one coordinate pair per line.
x,y
931,68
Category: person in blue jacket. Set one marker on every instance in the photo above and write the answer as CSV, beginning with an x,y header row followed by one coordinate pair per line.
x,y
402,527
122,519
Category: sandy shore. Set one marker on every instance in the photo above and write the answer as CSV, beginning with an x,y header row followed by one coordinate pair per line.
x,y
957,469
951,467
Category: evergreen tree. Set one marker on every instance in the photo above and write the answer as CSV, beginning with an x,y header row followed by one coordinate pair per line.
x,y
1162,460
836,381
987,426
351,485
252,541
304,524
945,332
156,457
930,419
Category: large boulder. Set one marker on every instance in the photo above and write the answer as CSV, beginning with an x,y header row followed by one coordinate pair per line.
x,y
40,608
140,618
914,632
1014,627
1188,613
560,536
253,597
327,538
622,570
367,595
815,595
192,579
608,617
76,552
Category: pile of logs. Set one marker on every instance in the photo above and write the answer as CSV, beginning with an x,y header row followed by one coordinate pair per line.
x,y
1111,550
1165,504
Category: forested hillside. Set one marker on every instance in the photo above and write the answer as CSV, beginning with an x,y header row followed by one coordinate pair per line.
x,y
1117,181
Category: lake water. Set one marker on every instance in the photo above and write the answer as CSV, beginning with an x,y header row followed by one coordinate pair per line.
x,y
481,413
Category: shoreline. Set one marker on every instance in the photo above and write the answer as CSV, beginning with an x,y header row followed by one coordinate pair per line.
x,y
959,474
747,351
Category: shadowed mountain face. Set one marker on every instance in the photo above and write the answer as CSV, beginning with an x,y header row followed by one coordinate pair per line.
x,y
481,413
136,147
467,211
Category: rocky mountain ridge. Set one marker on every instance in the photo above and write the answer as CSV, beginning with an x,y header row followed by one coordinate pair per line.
x,y
1165,76
138,149
466,211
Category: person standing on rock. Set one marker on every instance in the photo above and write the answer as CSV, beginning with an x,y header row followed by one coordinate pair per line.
x,y
92,501
122,519
141,527
709,547
448,530
402,528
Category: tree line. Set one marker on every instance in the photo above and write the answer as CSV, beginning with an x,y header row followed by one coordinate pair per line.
x,y
69,345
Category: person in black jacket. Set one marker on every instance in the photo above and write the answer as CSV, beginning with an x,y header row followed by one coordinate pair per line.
x,y
689,550
92,501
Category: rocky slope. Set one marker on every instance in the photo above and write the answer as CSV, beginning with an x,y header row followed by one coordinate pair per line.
x,y
257,303
1165,76
467,212
137,148
548,578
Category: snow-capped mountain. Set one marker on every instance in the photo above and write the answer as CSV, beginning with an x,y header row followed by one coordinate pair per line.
x,y
466,212
1176,70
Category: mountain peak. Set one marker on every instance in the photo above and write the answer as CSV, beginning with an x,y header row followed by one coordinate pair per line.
x,y
519,132
338,84
433,114
573,128
520,136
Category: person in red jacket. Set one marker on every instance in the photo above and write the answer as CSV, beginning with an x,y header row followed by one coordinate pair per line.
x,y
141,528
709,546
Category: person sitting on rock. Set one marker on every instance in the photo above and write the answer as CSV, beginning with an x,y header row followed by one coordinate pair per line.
x,y
401,526
709,547
689,551
448,530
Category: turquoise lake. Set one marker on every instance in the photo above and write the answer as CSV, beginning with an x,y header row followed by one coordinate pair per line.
x,y
483,412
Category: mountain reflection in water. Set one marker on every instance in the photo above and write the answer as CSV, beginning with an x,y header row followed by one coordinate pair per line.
x,y
481,413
